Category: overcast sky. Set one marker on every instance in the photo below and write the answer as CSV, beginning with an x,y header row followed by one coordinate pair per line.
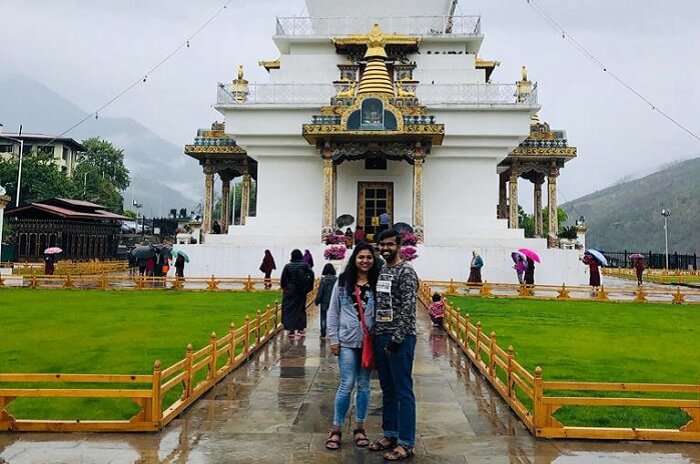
x,y
88,50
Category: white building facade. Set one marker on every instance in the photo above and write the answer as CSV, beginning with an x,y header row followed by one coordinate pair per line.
x,y
369,114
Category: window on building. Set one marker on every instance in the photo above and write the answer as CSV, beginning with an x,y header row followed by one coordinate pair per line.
x,y
45,149
27,149
5,148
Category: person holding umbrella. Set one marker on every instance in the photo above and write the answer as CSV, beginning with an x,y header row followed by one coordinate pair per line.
x,y
520,266
593,270
50,259
638,264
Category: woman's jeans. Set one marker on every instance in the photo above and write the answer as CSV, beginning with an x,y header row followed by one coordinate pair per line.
x,y
395,371
351,373
324,316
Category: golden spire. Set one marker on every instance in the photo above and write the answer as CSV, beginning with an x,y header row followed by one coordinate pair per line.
x,y
376,77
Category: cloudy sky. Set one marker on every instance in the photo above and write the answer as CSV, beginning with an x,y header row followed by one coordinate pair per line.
x,y
89,50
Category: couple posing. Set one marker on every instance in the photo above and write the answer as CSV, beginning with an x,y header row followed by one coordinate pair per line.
x,y
372,314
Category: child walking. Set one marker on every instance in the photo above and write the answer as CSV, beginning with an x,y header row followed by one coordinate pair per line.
x,y
437,310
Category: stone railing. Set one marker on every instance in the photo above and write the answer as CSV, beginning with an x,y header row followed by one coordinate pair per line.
x,y
428,94
406,25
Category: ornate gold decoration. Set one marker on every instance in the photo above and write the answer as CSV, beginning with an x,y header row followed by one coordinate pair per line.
x,y
402,91
270,64
245,198
239,86
418,197
349,91
232,149
523,86
375,78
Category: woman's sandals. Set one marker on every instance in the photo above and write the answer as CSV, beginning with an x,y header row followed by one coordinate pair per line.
x,y
333,440
360,438
382,444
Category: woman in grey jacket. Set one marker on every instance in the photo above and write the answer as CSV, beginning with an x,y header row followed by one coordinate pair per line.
x,y
323,295
345,333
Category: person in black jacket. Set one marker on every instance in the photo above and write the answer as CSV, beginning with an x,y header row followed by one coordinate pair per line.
x,y
323,296
297,281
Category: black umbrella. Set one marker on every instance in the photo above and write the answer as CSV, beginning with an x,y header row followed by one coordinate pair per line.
x,y
403,228
143,252
164,251
344,221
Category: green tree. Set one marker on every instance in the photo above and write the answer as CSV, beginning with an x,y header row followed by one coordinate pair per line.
x,y
41,179
527,222
561,215
100,175
130,214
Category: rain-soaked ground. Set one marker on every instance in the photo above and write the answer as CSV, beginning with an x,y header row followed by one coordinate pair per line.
x,y
277,409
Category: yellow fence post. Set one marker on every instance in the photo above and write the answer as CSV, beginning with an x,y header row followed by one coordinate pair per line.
x,y
485,290
188,380
156,409
232,347
538,418
249,286
212,284
465,341
477,349
492,355
563,293
33,282
451,289
68,283
212,358
640,295
2,281
103,281
258,320
602,295
509,374
246,346
678,297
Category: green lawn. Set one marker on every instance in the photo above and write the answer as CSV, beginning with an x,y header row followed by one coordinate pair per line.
x,y
115,332
599,342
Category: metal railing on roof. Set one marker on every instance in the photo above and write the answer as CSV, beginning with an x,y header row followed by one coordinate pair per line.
x,y
406,25
428,94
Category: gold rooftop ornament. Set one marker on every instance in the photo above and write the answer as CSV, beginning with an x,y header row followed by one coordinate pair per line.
x,y
239,87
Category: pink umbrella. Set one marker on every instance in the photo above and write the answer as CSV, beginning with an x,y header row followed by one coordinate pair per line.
x,y
53,251
530,254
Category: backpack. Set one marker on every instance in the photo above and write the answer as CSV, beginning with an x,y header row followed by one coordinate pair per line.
x,y
308,279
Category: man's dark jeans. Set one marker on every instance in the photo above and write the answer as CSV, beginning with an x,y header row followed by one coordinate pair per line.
x,y
395,372
324,315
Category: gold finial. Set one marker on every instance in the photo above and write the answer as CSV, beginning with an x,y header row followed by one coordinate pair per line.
x,y
535,119
240,72
523,73
375,43
523,86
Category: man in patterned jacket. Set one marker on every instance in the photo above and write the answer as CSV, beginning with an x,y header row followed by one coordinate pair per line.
x,y
394,348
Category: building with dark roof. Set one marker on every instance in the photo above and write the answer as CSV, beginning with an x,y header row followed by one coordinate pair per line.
x,y
84,230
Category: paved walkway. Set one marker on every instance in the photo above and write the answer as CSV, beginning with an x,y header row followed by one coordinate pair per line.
x,y
277,409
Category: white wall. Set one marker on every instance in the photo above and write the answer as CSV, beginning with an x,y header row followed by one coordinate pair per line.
x,y
364,8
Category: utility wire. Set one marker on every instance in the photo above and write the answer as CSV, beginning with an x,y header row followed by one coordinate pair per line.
x,y
585,52
142,80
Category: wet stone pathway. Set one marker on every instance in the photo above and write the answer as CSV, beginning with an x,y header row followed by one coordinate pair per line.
x,y
278,407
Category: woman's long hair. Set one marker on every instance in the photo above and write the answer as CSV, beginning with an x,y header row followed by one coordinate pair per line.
x,y
328,270
348,278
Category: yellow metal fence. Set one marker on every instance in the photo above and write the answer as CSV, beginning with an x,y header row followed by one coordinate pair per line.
x,y
535,400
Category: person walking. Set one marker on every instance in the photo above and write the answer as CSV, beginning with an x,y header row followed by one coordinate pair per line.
x,y
323,296
593,270
437,310
394,349
297,281
520,267
638,264
475,268
384,221
180,266
308,259
266,267
350,320
360,235
49,265
530,272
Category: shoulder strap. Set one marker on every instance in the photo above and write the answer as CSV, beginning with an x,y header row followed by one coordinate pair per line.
x,y
361,308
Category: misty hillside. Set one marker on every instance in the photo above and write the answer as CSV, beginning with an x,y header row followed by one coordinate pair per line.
x,y
162,177
627,216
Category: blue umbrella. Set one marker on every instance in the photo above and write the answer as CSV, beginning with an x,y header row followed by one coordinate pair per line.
x,y
177,251
598,255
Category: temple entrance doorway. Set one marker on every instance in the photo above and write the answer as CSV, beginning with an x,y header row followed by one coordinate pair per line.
x,y
373,198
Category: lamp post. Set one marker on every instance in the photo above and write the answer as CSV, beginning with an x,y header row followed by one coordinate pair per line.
x,y
21,155
666,213
4,201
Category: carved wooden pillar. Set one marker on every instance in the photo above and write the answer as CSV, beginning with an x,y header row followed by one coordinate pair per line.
x,y
503,196
245,198
418,226
513,199
552,208
208,210
225,202
328,215
538,207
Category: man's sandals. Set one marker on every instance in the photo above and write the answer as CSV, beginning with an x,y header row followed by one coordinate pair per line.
x,y
397,453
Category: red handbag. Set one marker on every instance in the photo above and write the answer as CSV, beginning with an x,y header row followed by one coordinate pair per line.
x,y
367,350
